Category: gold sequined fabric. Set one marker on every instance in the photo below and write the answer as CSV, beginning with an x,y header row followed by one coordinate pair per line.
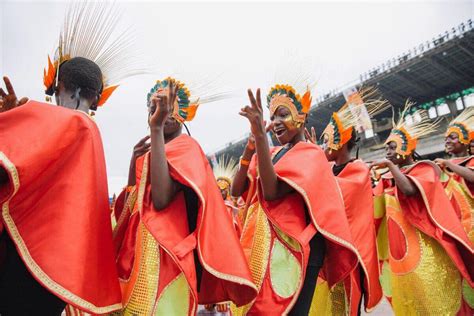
x,y
259,255
329,302
143,297
433,288
260,249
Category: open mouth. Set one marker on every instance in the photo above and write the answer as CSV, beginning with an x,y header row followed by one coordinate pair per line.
x,y
279,132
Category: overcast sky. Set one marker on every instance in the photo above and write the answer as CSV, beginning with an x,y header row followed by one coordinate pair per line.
x,y
243,41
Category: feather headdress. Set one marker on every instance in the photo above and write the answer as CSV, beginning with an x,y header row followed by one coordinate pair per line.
x,y
463,126
224,171
87,32
406,134
189,98
293,91
357,112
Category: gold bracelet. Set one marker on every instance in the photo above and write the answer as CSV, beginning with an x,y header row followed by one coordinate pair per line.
x,y
244,162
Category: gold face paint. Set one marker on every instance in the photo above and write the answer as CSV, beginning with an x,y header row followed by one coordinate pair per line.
x,y
290,122
283,100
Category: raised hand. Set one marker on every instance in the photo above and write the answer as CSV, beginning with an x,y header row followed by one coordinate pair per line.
x,y
310,137
141,147
9,100
254,114
163,104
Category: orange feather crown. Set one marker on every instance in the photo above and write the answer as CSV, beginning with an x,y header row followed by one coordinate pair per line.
x,y
406,134
184,109
285,95
463,126
357,112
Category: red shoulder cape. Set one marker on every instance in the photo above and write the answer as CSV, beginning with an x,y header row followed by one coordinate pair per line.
x,y
226,275
432,213
306,169
55,206
354,181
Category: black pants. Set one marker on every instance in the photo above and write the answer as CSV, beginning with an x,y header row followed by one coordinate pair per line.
x,y
192,208
315,262
20,293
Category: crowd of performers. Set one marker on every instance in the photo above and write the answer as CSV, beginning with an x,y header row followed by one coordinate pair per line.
x,y
303,228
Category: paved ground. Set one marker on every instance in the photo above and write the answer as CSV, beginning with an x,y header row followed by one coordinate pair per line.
x,y
383,309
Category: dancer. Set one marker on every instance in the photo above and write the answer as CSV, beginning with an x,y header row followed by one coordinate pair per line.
x,y
295,222
425,250
176,243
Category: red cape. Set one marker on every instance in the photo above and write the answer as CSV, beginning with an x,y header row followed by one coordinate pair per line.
x,y
354,181
226,275
55,206
431,212
306,169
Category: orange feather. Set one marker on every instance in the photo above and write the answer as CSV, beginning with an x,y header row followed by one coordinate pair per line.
x,y
191,111
106,93
50,75
306,102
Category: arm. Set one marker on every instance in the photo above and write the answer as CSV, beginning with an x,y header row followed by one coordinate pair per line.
x,y
402,181
273,188
462,171
240,183
163,187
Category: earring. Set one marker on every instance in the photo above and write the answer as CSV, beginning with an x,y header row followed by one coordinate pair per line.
x,y
398,156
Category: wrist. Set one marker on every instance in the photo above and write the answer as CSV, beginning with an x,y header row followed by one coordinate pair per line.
x,y
390,165
156,129
260,136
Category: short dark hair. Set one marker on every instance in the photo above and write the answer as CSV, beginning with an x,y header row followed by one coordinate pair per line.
x,y
81,73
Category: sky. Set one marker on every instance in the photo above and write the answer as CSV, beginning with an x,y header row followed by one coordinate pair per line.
x,y
241,44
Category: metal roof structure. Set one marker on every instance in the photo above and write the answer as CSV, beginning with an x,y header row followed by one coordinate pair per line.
x,y
432,70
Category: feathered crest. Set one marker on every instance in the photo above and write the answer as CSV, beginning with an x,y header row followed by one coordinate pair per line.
x,y
406,134
188,98
463,126
225,170
357,112
295,83
88,32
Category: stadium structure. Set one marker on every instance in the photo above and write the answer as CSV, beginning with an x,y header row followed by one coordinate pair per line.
x,y
438,75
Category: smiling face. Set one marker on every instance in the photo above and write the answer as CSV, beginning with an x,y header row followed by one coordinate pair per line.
x,y
284,127
453,145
